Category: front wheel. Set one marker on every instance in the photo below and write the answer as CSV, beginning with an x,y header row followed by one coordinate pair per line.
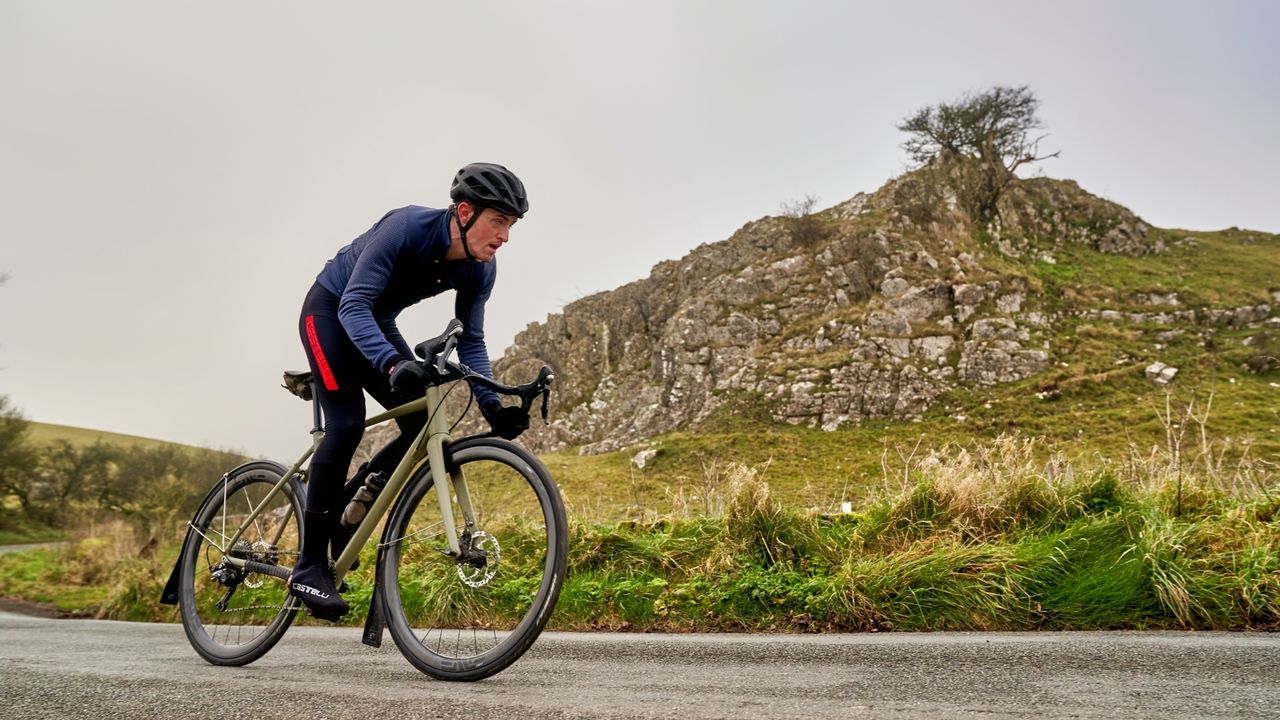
x,y
468,617
231,615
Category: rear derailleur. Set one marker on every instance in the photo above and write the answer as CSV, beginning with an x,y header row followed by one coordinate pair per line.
x,y
232,576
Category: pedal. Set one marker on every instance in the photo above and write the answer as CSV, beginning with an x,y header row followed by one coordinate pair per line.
x,y
342,587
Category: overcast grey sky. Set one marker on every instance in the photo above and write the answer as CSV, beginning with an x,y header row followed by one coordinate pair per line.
x,y
174,174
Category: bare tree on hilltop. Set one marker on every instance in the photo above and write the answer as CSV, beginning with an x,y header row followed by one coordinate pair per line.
x,y
980,140
805,226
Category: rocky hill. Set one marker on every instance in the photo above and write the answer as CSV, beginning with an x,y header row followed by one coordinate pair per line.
x,y
1064,314
874,308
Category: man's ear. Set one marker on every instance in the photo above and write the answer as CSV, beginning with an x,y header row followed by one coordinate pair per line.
x,y
467,215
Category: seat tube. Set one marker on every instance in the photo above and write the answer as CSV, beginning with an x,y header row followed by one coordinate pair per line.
x,y
315,409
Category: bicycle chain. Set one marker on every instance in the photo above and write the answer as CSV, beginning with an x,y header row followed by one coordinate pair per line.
x,y
277,608
274,608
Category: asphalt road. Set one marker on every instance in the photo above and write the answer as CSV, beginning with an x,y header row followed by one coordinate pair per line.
x,y
97,669
6,549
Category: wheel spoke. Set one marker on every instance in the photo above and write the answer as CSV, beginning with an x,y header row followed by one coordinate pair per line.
x,y
257,522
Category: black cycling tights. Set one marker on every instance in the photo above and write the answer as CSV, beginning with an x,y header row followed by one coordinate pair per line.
x,y
342,374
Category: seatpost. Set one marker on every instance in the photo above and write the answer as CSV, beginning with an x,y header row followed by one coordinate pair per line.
x,y
315,409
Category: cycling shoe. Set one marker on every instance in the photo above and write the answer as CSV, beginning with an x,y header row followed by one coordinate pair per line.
x,y
314,587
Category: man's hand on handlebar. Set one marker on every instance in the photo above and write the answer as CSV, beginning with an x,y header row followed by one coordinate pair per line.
x,y
507,421
409,377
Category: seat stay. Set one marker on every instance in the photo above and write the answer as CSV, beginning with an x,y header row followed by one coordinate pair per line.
x,y
275,490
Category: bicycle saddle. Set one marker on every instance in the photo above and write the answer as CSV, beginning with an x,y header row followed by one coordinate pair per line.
x,y
298,382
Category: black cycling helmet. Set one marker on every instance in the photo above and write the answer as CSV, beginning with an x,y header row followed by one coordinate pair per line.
x,y
489,185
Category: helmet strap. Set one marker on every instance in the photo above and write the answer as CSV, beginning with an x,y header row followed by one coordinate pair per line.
x,y
462,229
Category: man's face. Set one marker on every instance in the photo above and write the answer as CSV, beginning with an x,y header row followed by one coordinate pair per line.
x,y
488,233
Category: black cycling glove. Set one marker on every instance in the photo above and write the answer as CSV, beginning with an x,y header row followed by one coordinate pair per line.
x,y
409,377
507,422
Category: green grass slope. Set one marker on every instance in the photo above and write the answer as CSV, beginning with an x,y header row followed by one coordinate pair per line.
x,y
45,433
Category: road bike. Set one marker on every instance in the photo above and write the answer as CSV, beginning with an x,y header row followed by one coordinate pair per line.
x,y
470,561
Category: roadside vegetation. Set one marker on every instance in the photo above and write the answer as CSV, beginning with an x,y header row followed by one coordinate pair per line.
x,y
1007,534
55,481
983,537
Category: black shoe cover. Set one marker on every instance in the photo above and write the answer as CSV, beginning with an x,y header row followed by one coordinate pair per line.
x,y
314,587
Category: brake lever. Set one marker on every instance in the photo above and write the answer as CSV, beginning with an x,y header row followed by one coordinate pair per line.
x,y
540,386
545,377
449,346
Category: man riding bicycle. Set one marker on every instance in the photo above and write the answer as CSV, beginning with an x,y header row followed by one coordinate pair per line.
x,y
348,330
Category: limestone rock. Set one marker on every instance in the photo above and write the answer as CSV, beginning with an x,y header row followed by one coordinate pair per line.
x,y
643,457
1161,374
922,303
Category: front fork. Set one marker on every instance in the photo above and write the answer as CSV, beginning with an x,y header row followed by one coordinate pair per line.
x,y
450,482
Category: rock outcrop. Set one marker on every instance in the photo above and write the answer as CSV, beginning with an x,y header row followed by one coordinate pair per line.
x,y
875,311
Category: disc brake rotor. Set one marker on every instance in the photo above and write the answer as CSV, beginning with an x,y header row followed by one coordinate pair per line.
x,y
479,574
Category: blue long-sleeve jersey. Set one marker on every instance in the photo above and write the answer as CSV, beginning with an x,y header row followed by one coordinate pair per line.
x,y
397,263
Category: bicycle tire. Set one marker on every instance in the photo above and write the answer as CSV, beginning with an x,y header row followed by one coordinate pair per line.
x,y
503,605
254,618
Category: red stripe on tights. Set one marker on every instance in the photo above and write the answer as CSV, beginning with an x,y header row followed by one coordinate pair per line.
x,y
330,383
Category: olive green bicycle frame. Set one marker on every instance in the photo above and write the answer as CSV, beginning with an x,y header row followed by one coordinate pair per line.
x,y
427,447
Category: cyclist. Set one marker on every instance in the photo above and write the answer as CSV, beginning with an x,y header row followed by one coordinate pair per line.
x,y
348,330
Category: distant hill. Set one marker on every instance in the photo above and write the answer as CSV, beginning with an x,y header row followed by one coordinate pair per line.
x,y
44,433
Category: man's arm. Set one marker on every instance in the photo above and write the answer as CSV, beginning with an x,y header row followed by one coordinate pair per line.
x,y
388,326
368,280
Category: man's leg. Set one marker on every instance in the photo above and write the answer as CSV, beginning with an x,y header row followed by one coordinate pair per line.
x,y
387,458
335,363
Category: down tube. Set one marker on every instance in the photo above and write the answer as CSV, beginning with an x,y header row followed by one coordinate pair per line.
x,y
409,464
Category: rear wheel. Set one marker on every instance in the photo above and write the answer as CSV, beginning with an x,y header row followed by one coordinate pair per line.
x,y
232,615
466,618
